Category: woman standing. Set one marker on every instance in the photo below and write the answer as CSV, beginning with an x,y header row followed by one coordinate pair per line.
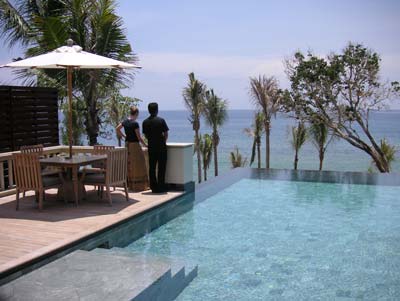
x,y
137,171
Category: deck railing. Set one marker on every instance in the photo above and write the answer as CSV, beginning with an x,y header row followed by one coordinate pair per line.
x,y
6,158
179,165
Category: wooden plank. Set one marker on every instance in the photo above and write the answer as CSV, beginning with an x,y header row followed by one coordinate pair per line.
x,y
27,234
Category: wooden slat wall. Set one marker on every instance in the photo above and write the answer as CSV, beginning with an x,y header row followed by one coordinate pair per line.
x,y
28,116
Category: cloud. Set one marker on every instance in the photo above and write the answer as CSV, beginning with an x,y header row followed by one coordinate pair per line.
x,y
212,65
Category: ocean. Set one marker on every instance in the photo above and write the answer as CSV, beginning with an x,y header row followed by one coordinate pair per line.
x,y
340,155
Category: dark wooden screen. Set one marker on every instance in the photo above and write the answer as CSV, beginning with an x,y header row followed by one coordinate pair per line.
x,y
28,115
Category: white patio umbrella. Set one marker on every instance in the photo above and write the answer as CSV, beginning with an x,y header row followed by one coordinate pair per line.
x,y
70,57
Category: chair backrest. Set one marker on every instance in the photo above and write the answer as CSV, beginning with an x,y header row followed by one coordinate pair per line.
x,y
27,172
117,166
38,148
102,149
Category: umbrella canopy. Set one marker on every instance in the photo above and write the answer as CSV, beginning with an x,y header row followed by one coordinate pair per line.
x,y
70,57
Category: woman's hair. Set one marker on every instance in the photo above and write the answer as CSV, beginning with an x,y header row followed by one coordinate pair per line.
x,y
134,110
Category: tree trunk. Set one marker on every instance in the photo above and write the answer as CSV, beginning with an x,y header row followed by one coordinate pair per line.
x,y
259,155
215,157
296,158
321,158
205,173
198,155
267,149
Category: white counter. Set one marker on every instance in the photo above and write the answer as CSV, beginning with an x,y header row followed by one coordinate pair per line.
x,y
179,163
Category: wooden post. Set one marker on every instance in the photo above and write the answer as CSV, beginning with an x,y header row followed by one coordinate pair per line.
x,y
2,185
69,79
10,174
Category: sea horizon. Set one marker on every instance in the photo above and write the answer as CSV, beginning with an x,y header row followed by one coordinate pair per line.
x,y
340,155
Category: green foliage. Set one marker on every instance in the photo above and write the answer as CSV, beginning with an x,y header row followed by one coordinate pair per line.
x,y
77,123
237,159
389,151
42,26
216,113
266,95
116,108
320,137
193,95
255,132
340,91
299,136
205,147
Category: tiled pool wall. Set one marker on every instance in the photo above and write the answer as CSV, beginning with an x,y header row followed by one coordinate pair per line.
x,y
118,235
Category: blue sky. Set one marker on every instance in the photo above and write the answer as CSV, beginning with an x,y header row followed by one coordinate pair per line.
x,y
225,42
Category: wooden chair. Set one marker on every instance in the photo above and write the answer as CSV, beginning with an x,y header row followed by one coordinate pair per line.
x,y
28,176
38,148
101,150
115,173
97,167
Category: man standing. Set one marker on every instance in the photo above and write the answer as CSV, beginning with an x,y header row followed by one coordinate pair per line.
x,y
156,131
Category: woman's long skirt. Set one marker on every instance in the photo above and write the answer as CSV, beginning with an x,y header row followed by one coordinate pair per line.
x,y
138,179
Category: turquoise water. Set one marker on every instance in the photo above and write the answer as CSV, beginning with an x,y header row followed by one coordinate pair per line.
x,y
340,156
282,240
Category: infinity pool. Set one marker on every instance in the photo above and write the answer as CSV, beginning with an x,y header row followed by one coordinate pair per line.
x,y
284,240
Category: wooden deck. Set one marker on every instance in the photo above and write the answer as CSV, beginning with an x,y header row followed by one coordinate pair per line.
x,y
28,233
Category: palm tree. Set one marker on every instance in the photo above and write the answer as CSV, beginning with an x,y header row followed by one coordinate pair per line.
x,y
256,131
299,137
265,93
206,146
42,26
215,111
236,158
193,96
389,152
319,135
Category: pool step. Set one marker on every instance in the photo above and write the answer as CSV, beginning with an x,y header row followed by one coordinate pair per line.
x,y
181,273
83,275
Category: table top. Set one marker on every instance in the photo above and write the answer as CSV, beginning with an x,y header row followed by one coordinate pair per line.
x,y
74,161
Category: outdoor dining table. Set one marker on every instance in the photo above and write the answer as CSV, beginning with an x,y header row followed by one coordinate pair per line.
x,y
72,164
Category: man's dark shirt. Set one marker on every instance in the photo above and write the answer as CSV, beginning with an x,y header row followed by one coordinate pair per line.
x,y
130,126
154,128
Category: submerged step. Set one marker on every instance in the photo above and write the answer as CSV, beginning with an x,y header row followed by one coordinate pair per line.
x,y
182,273
84,275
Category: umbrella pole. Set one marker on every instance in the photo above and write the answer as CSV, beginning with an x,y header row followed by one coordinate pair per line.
x,y
69,80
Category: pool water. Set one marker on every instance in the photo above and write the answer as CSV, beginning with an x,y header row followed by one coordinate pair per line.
x,y
283,240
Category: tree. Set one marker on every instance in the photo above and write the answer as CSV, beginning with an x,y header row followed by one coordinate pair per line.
x,y
215,112
389,151
256,131
77,121
299,137
193,96
206,147
116,108
237,159
320,138
42,26
340,91
265,93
